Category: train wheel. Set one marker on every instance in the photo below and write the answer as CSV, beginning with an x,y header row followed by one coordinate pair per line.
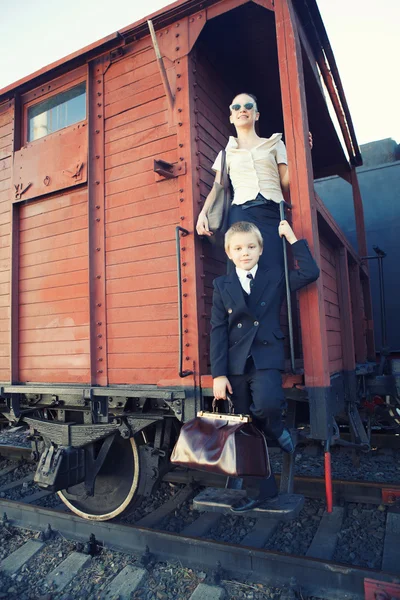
x,y
116,487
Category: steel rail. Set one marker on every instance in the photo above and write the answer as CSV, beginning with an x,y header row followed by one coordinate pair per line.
x,y
315,576
368,492
16,452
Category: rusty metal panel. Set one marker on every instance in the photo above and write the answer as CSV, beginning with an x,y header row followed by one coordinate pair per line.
x,y
51,164
381,590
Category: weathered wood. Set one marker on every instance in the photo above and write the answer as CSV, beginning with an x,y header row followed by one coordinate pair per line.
x,y
314,339
358,314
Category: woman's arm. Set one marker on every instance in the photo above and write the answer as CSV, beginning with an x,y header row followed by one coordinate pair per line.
x,y
284,171
284,178
202,221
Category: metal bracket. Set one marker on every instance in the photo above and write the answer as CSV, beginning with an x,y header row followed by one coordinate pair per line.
x,y
169,170
20,189
381,590
93,465
390,497
77,174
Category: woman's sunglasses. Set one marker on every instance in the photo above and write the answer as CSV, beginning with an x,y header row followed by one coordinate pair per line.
x,y
247,106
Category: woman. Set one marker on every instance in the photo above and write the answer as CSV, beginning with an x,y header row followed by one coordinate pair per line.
x,y
259,174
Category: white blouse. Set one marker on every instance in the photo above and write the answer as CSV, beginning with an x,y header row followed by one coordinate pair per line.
x,y
255,171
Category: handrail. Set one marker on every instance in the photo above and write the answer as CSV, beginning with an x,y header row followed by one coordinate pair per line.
x,y
288,297
184,232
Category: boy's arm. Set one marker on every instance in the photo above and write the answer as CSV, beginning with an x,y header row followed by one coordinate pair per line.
x,y
308,270
219,336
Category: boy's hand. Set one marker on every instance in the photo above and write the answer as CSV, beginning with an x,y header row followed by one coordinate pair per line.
x,y
285,230
220,385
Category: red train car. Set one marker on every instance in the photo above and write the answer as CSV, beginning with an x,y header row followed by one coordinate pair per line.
x,y
105,160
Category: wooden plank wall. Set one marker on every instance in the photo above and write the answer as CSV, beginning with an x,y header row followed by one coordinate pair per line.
x,y
53,290
141,216
213,130
332,309
6,140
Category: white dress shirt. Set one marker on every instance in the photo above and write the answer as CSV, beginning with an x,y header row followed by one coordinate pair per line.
x,y
254,171
244,280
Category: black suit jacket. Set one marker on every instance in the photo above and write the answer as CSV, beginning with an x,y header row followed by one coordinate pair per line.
x,y
239,329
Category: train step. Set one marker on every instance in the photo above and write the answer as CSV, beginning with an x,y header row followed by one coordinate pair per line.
x,y
221,500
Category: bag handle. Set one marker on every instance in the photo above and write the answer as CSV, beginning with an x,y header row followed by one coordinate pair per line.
x,y
230,405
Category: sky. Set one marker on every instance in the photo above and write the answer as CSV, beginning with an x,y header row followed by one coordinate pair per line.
x,y
364,36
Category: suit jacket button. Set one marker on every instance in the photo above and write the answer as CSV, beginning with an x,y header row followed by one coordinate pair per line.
x,y
239,325
229,310
256,323
262,303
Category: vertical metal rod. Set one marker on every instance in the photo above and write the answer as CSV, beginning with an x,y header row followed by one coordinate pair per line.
x,y
383,302
288,297
184,232
328,477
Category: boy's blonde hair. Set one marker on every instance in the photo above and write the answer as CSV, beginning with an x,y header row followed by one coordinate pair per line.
x,y
243,227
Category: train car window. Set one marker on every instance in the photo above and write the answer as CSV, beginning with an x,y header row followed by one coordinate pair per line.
x,y
57,112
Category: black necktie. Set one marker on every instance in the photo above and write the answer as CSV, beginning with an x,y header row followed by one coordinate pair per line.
x,y
250,276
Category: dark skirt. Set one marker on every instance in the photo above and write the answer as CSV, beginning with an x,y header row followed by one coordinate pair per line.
x,y
266,217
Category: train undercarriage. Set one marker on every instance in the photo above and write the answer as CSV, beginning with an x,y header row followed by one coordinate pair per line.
x,y
103,450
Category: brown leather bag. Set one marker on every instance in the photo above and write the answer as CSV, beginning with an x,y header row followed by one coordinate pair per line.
x,y
222,443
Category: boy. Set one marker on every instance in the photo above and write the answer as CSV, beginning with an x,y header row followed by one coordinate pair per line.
x,y
247,344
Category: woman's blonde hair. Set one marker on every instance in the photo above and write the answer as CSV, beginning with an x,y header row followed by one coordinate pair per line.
x,y
243,227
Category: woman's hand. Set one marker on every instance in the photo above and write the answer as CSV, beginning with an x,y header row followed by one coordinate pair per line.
x,y
202,225
220,385
286,231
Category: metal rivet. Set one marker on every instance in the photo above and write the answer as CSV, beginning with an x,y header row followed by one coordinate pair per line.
x,y
99,323
97,206
100,371
98,249
184,279
98,276
185,316
99,304
186,331
99,335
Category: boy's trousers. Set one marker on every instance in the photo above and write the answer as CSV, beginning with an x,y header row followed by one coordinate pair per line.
x,y
260,394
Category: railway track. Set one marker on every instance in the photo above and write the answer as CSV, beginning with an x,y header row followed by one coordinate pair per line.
x,y
315,571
